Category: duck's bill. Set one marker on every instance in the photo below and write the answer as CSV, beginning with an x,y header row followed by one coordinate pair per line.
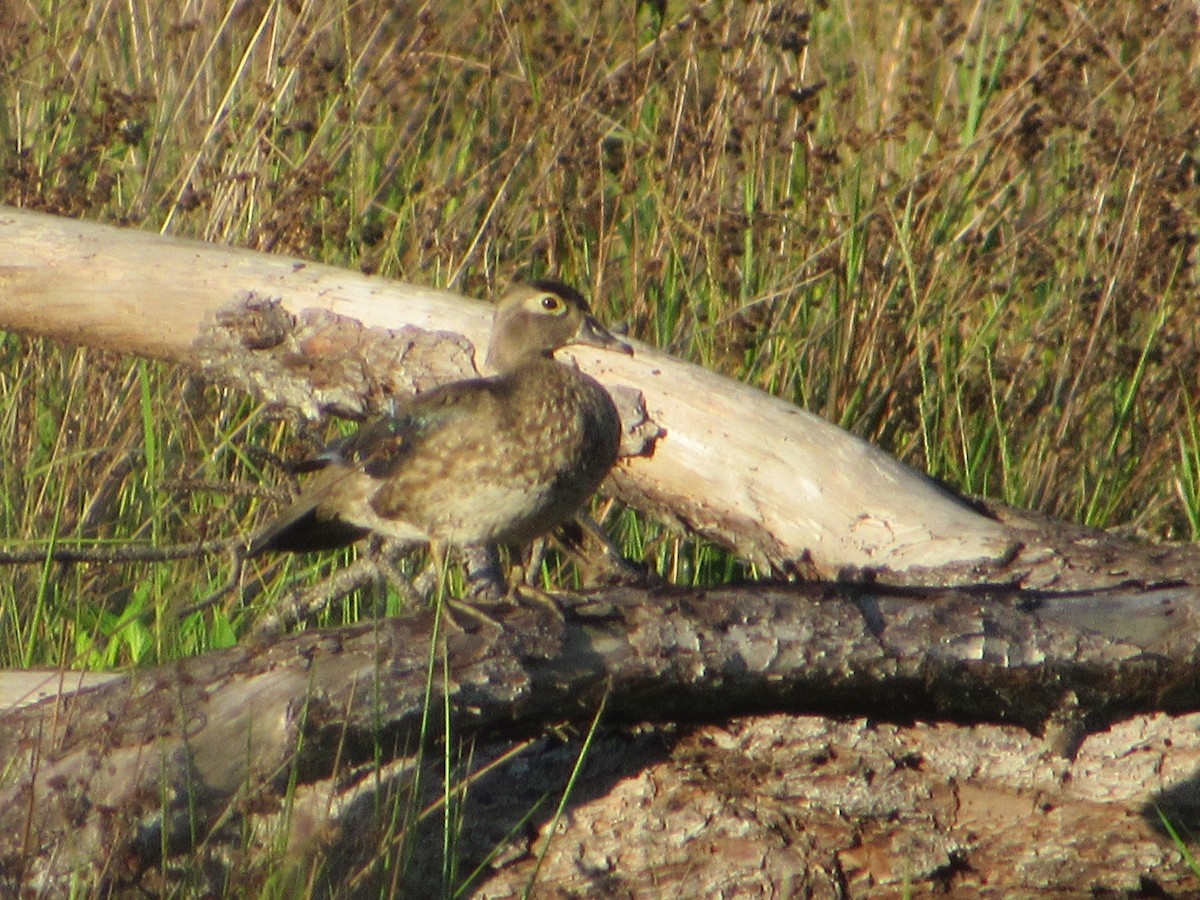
x,y
594,334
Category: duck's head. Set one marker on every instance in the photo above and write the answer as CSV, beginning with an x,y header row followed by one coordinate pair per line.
x,y
534,319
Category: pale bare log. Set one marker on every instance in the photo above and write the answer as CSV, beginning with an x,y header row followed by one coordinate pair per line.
x,y
25,687
772,481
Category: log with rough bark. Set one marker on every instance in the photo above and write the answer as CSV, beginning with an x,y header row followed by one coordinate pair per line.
x,y
114,782
194,755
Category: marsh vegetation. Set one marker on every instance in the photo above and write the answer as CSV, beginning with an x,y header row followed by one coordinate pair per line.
x,y
965,232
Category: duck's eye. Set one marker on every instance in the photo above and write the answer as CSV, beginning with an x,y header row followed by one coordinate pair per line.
x,y
551,303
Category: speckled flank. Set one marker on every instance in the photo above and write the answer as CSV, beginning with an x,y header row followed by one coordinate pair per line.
x,y
507,477
482,461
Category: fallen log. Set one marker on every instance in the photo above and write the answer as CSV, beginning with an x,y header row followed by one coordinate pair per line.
x,y
104,783
781,486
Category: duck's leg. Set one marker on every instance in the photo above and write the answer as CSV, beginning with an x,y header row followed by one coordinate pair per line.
x,y
537,559
485,580
527,590
490,596
455,614
600,560
597,557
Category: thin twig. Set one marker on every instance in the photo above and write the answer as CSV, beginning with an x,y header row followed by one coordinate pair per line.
x,y
116,553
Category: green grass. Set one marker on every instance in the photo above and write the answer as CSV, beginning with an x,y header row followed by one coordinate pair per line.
x,y
965,232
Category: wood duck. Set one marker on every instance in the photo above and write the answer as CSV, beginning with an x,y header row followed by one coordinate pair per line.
x,y
496,460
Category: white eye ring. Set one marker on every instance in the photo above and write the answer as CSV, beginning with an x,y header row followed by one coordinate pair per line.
x,y
551,303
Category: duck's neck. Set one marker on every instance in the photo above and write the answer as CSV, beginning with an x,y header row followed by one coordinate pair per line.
x,y
501,360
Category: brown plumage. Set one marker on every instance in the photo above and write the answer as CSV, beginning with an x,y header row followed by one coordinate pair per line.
x,y
496,460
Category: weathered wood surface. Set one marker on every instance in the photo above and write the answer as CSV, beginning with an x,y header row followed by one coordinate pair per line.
x,y
786,806
99,782
780,485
